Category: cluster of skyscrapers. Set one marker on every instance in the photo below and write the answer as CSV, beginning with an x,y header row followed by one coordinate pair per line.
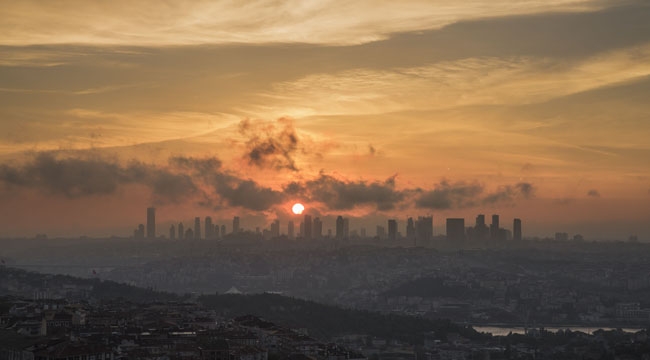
x,y
418,231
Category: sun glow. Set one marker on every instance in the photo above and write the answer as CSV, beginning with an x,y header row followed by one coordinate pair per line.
x,y
298,208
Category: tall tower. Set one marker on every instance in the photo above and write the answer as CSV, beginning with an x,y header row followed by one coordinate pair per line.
x,y
197,228
308,227
151,223
455,229
494,227
318,228
209,229
235,225
172,232
392,229
181,231
339,227
516,230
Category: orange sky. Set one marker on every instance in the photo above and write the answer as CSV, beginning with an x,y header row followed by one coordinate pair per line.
x,y
535,109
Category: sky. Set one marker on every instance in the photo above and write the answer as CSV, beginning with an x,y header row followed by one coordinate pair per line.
x,y
368,109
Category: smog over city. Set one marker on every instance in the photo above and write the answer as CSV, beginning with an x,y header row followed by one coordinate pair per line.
x,y
325,180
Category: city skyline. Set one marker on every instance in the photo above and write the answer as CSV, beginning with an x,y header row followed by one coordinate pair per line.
x,y
535,110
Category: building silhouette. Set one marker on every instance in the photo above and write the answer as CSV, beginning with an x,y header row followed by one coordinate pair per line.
x,y
290,230
340,228
181,231
318,228
307,224
494,228
392,229
481,230
172,232
381,232
197,228
410,229
139,232
209,229
223,230
189,234
151,223
346,228
235,225
456,229
424,229
275,229
516,230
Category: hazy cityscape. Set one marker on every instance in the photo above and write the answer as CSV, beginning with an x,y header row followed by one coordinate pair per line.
x,y
325,180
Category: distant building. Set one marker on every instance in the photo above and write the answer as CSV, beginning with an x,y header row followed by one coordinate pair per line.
x,y
139,232
318,228
424,229
392,229
189,234
381,232
209,229
235,225
456,229
290,230
172,232
197,228
181,231
481,230
346,228
494,227
151,223
340,228
275,229
307,227
223,230
516,230
410,229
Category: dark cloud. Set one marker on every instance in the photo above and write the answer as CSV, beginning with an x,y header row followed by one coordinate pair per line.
x,y
246,193
344,195
447,195
508,193
593,193
270,144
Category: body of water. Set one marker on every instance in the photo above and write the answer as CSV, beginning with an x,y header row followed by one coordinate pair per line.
x,y
503,331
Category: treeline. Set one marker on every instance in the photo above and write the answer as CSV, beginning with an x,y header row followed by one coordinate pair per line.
x,y
325,321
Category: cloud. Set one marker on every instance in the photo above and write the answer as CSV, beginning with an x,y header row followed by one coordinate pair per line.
x,y
446,195
593,193
508,193
270,144
339,194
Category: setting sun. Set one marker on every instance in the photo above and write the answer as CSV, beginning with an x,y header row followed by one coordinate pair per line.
x,y
298,208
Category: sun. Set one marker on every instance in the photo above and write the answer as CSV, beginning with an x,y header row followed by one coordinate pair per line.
x,y
298,208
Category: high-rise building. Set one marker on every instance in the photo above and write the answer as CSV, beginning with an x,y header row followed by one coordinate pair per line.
x,y
392,229
381,232
275,229
181,231
151,223
455,229
216,231
410,229
516,230
235,225
481,231
307,227
189,234
139,232
172,232
339,228
197,228
209,229
346,228
318,228
494,227
424,229
290,230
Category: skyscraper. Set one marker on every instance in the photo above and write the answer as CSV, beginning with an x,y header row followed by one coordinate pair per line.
x,y
235,225
307,227
339,227
424,229
151,223
455,229
181,231
392,229
208,228
275,229
172,232
318,228
494,227
481,231
516,230
197,228
410,229
290,230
